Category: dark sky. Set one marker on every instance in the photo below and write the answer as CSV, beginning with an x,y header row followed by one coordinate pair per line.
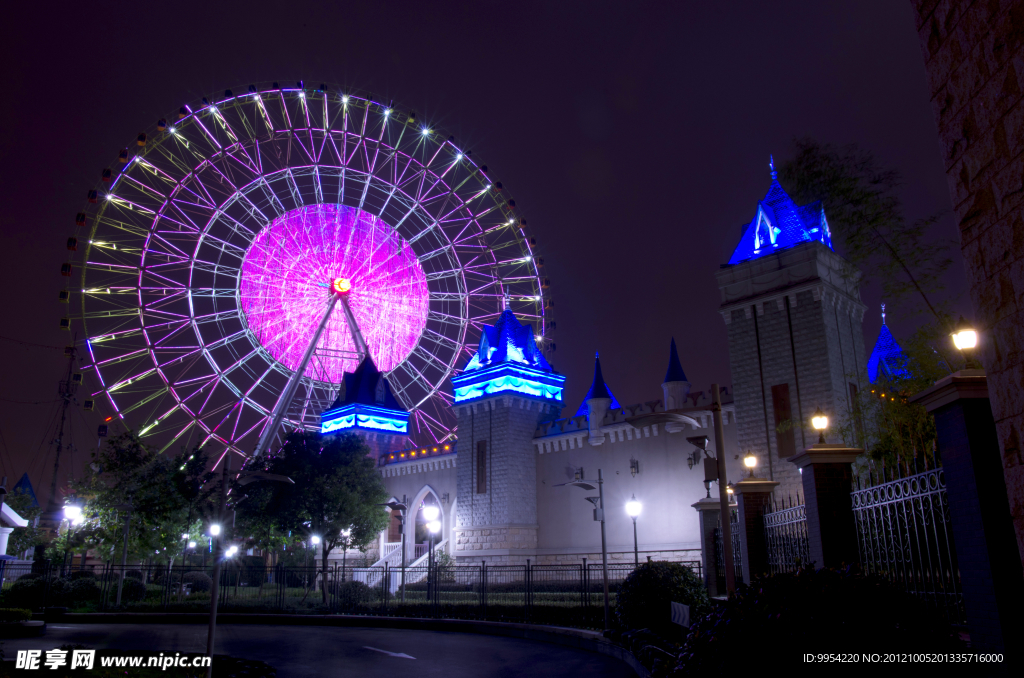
x,y
634,136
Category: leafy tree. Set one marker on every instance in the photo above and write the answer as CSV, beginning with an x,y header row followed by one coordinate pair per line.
x,y
865,213
337,487
168,498
24,538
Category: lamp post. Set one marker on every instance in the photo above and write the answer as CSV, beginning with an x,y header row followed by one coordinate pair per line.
x,y
598,503
401,508
345,534
965,338
633,508
820,422
430,514
124,552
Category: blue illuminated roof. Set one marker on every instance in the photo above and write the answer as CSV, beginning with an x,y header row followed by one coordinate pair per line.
x,y
507,341
365,402
780,223
598,389
25,485
887,357
675,368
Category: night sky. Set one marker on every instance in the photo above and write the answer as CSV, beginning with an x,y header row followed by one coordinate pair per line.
x,y
635,138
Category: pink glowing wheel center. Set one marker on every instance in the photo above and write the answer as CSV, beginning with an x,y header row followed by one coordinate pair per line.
x,y
292,267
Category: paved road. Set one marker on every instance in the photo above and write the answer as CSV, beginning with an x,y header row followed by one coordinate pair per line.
x,y
301,651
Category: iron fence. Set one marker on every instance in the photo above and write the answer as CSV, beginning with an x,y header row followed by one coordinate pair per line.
x,y
737,559
569,594
904,534
785,536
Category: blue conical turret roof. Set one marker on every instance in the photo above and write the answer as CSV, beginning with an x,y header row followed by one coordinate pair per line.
x,y
675,368
887,358
507,341
598,389
364,387
780,223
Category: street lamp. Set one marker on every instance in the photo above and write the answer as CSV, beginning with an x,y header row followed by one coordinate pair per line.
x,y
345,534
750,461
965,338
215,530
401,508
598,503
820,422
633,508
430,514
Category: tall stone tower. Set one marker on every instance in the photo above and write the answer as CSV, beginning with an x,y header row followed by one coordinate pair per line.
x,y
505,391
793,313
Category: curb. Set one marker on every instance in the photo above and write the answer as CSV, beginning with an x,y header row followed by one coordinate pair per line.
x,y
591,641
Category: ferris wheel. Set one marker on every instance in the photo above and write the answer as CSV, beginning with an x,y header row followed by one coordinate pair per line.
x,y
206,258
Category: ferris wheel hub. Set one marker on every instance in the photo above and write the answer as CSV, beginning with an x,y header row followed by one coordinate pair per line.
x,y
342,285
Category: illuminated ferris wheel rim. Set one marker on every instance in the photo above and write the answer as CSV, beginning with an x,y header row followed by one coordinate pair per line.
x,y
475,233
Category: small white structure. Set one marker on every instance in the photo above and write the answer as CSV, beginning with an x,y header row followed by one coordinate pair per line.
x,y
10,520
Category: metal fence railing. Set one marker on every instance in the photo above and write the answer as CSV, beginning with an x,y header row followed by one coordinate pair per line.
x,y
570,594
904,534
737,550
785,536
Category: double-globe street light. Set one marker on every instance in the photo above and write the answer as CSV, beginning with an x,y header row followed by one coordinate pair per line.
x,y
430,515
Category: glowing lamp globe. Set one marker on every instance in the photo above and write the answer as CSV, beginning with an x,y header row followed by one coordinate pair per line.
x,y
341,285
964,336
633,507
750,461
73,513
314,540
820,422
430,513
434,526
191,544
214,530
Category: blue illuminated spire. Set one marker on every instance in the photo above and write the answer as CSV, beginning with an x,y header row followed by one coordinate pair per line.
x,y
598,389
887,358
507,359
780,223
365,402
675,368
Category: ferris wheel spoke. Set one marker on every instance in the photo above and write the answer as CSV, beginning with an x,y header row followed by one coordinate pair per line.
x,y
177,436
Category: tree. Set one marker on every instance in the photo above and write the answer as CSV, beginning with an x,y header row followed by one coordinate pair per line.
x,y
24,538
168,498
337,487
865,214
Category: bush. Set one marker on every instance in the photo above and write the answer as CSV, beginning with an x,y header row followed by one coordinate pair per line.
x,y
825,609
30,575
133,574
35,592
644,597
132,590
350,593
199,581
83,590
14,614
83,574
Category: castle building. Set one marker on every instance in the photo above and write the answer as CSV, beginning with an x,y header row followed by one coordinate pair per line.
x,y
793,313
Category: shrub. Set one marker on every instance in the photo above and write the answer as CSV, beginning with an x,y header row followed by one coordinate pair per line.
x,y
826,609
132,590
14,614
83,590
83,574
644,597
30,575
133,574
350,593
199,581
35,592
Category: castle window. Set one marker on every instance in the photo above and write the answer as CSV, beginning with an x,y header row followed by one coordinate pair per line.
x,y
785,435
481,466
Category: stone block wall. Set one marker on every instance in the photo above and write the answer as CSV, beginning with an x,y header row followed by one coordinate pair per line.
x,y
974,56
490,524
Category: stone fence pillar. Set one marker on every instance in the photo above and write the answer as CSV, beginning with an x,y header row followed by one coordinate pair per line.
x,y
5,534
986,546
709,511
751,496
827,478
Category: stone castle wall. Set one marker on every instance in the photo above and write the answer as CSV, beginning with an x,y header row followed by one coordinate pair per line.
x,y
974,55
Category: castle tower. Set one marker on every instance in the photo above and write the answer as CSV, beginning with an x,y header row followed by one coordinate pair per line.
x,y
596,404
887,359
793,314
365,406
506,389
676,387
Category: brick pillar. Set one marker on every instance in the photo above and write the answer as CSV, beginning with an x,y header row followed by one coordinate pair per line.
x,y
751,496
828,480
708,509
979,508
